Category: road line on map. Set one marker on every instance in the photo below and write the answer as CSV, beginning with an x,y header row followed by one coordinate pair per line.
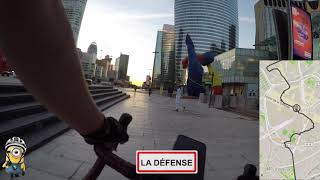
x,y
295,109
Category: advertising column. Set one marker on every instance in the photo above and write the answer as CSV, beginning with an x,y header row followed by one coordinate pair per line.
x,y
302,34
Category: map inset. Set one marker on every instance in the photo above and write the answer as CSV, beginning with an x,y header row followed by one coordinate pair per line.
x,y
289,120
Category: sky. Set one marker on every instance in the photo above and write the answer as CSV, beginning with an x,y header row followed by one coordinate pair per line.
x,y
130,27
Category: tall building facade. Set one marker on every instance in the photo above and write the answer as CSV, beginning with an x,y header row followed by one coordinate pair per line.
x,y
102,68
122,66
156,74
212,25
74,10
313,7
265,24
164,62
88,61
239,71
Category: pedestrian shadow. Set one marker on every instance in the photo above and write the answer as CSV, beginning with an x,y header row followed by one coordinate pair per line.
x,y
189,112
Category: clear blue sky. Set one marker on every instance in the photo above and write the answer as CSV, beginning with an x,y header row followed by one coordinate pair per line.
x,y
130,27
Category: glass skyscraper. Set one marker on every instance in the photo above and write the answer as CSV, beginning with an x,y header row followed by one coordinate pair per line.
x,y
122,66
74,10
212,25
164,62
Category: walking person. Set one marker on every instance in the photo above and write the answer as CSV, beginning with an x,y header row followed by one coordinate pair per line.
x,y
179,104
150,91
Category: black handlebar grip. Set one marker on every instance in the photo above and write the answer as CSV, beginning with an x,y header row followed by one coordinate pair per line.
x,y
125,120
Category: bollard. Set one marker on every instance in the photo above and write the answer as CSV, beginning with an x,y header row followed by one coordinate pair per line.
x,y
217,101
202,98
233,101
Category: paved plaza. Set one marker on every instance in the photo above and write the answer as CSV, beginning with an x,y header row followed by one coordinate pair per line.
x,y
231,139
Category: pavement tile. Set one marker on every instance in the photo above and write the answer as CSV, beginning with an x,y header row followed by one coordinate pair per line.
x,y
106,174
54,165
76,153
33,174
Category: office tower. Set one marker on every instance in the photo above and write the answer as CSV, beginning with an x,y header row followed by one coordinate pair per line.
x,y
212,25
164,62
122,66
74,10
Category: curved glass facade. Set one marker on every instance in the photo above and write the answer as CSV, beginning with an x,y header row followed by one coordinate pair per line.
x,y
74,10
212,25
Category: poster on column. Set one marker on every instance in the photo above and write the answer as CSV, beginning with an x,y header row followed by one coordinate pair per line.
x,y
302,34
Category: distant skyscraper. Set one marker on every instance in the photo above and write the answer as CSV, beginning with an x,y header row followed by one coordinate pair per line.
x,y
88,60
93,49
212,25
164,62
74,10
122,66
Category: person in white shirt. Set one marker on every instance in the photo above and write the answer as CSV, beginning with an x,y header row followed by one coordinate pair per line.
x,y
179,94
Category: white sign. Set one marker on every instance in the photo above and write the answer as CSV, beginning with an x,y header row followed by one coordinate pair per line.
x,y
167,162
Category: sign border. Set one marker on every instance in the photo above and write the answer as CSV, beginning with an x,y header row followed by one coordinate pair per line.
x,y
194,152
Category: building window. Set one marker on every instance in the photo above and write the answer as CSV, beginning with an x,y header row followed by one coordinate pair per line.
x,y
284,3
270,2
275,3
279,3
266,2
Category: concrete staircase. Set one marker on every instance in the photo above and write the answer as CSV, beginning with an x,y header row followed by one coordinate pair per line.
x,y
21,115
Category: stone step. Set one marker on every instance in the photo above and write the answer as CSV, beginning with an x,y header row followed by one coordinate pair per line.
x,y
20,124
23,97
16,126
40,128
6,88
110,104
97,87
20,110
98,91
25,109
38,137
109,98
103,95
11,88
15,98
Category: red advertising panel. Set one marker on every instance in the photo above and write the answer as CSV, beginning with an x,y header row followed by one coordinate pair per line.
x,y
4,66
302,34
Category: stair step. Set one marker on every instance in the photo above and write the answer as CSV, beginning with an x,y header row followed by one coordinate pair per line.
x,y
10,98
102,95
25,109
95,87
12,89
22,97
17,125
32,122
97,91
16,111
39,137
9,88
112,103
108,99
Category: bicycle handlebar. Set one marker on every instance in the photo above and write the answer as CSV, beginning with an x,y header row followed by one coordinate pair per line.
x,y
106,157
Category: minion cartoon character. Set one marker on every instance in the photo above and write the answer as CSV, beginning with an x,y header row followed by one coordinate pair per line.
x,y
15,151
